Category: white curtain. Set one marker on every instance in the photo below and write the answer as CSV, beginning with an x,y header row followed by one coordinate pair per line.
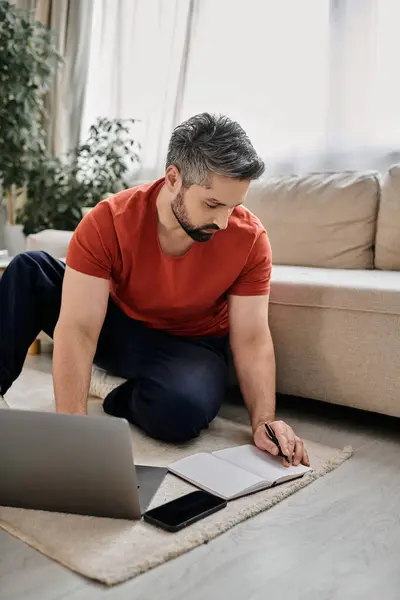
x,y
71,20
264,63
313,82
137,70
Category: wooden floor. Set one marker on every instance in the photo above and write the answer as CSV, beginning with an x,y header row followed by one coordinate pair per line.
x,y
338,539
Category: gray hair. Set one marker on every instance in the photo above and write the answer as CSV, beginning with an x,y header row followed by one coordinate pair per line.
x,y
206,144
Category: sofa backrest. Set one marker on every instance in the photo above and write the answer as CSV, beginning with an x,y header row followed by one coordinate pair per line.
x,y
387,249
319,220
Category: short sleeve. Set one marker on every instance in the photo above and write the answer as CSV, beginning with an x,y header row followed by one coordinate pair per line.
x,y
254,280
92,248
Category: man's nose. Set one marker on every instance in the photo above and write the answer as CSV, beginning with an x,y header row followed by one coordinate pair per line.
x,y
222,221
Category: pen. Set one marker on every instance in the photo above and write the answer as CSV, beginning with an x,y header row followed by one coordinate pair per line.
x,y
273,438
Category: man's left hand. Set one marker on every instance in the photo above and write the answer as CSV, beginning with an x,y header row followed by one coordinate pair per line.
x,y
291,445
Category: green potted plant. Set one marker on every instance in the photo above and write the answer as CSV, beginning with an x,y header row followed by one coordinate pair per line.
x,y
28,60
60,189
103,162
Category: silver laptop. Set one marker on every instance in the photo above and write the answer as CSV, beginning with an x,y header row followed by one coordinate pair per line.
x,y
73,464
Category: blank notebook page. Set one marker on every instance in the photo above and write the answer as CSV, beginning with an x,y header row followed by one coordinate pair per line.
x,y
219,477
259,462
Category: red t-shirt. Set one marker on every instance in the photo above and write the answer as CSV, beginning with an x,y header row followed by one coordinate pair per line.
x,y
184,295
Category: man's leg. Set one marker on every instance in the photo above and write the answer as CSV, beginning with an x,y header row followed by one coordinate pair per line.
x,y
175,385
30,300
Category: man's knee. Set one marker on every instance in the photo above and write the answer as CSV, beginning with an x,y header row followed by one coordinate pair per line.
x,y
180,417
27,260
173,406
171,417
187,403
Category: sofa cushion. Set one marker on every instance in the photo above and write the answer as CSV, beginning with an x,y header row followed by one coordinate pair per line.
x,y
346,353
387,250
358,290
52,241
319,220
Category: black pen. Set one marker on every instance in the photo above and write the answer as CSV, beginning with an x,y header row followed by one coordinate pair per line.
x,y
273,438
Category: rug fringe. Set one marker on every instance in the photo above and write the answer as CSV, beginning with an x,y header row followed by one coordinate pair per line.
x,y
334,462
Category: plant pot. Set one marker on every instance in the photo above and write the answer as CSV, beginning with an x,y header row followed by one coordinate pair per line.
x,y
15,241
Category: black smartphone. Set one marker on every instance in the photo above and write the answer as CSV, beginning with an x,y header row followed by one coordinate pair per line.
x,y
184,511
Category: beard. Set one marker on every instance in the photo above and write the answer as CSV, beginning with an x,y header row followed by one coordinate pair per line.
x,y
198,234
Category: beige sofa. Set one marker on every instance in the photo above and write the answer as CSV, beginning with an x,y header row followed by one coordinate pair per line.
x,y
335,294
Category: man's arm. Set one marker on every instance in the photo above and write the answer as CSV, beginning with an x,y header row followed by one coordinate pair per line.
x,y
83,309
254,360
253,354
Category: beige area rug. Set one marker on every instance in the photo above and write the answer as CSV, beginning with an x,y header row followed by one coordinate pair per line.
x,y
111,551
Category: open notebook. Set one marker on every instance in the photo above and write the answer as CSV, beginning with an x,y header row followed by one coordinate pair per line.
x,y
235,472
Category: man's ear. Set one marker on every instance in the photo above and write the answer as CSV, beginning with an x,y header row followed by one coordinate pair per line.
x,y
173,179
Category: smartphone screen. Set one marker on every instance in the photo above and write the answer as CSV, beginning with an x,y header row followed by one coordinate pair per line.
x,y
185,510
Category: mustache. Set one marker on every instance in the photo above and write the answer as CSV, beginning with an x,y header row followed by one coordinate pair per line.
x,y
212,227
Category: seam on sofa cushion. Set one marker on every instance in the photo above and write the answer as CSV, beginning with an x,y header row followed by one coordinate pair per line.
x,y
379,184
329,307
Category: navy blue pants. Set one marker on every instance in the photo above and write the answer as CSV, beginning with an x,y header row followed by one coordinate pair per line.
x,y
175,384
